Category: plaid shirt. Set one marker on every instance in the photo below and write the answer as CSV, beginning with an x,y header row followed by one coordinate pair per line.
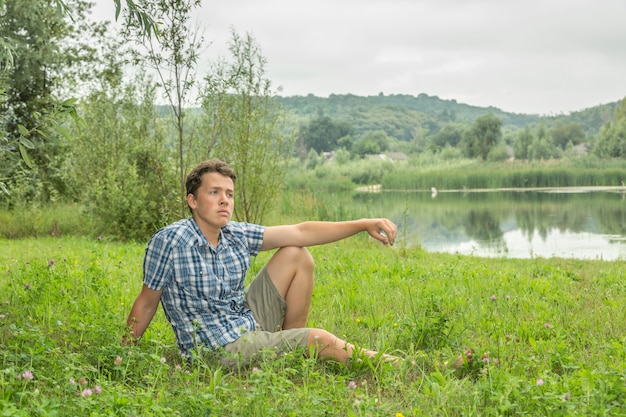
x,y
203,286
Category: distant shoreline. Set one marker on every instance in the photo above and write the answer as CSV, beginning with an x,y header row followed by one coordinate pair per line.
x,y
619,188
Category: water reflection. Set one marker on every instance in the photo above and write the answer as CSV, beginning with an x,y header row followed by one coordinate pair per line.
x,y
516,224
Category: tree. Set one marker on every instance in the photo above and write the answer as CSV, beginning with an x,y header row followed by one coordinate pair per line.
x,y
483,135
42,55
522,142
611,140
173,54
542,147
564,133
323,133
450,135
244,125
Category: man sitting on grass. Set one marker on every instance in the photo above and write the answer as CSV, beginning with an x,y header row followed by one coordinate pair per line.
x,y
196,269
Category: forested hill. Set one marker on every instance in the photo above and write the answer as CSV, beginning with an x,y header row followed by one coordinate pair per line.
x,y
404,113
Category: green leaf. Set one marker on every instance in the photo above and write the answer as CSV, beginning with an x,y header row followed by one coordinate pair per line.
x,y
27,143
62,130
25,156
23,131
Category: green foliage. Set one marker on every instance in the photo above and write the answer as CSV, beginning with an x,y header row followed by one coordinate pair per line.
x,y
119,164
173,54
50,220
475,175
530,345
323,133
244,125
484,134
611,141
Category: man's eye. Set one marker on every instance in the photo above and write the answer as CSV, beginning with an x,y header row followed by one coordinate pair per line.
x,y
230,195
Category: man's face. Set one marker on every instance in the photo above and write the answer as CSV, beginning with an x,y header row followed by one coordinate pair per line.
x,y
213,204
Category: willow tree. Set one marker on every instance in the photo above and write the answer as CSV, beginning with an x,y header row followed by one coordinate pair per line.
x,y
173,55
244,126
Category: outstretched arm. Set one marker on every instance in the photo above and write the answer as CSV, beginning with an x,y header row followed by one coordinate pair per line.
x,y
141,313
318,233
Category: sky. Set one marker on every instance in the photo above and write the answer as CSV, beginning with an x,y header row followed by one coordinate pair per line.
x,y
544,57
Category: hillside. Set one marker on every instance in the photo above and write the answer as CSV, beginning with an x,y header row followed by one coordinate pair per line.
x,y
400,115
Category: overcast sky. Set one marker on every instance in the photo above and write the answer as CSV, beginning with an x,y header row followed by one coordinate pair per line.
x,y
532,56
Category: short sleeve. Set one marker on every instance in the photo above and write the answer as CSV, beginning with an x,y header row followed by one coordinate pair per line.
x,y
156,265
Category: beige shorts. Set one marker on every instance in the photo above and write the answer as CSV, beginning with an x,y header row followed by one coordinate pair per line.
x,y
269,309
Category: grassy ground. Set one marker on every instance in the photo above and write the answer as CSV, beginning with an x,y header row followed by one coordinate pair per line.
x,y
547,338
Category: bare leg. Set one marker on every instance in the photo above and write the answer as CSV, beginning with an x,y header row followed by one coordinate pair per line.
x,y
291,269
328,345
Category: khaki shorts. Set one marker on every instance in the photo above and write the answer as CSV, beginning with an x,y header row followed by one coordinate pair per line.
x,y
269,309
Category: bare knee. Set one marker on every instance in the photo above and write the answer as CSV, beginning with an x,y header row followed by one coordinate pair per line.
x,y
321,338
300,256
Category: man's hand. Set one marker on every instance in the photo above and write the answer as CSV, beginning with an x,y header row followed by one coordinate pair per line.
x,y
383,230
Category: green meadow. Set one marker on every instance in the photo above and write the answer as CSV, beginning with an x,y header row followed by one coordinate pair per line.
x,y
539,337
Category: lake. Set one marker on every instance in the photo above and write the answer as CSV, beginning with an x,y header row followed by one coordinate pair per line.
x,y
516,224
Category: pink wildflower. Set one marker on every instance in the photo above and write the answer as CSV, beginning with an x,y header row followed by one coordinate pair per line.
x,y
27,375
86,393
82,380
72,381
540,382
118,361
97,389
352,385
493,298
163,359
547,325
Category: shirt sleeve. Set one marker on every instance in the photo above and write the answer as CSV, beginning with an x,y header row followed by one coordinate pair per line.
x,y
156,265
254,236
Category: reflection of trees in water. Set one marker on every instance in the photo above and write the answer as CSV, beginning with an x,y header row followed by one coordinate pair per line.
x,y
484,227
485,217
541,219
612,219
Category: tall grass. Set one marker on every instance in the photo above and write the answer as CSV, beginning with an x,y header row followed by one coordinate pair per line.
x,y
547,338
505,175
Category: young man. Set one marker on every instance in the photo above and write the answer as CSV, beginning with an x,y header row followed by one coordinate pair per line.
x,y
196,269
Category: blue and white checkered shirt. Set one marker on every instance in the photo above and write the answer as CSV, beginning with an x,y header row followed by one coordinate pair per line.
x,y
203,286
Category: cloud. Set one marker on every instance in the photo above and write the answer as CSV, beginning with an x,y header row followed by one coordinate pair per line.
x,y
533,57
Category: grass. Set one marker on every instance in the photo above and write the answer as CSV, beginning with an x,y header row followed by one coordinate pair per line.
x,y
548,338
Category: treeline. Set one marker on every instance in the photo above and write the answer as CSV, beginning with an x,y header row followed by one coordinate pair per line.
x,y
364,126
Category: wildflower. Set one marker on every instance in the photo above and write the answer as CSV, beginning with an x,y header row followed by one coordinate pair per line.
x,y
117,361
566,396
493,298
82,380
27,286
98,237
97,389
2,316
352,385
72,381
547,325
163,360
508,297
255,369
86,393
399,415
50,263
27,375
178,367
540,382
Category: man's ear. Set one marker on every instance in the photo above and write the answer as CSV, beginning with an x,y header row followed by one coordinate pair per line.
x,y
191,201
